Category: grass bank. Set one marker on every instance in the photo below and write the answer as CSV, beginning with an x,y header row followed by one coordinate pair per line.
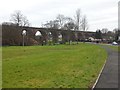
x,y
60,66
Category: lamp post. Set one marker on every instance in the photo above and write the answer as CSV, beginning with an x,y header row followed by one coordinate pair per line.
x,y
38,34
24,34
50,37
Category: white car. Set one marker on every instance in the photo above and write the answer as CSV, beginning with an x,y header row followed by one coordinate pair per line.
x,y
114,43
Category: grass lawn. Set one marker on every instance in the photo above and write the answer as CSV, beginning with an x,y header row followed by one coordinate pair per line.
x,y
60,66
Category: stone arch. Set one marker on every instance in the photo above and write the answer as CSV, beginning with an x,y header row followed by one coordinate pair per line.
x,y
64,36
72,36
29,38
80,36
60,38
49,38
42,38
54,36
38,37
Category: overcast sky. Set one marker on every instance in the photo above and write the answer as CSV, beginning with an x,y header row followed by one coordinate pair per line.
x,y
100,13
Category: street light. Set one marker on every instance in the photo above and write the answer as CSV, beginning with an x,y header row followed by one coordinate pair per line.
x,y
38,34
24,34
50,37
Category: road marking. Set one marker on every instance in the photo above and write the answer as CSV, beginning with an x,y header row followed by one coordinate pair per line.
x,y
99,75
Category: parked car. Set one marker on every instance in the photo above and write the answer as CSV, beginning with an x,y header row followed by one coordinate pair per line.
x,y
114,43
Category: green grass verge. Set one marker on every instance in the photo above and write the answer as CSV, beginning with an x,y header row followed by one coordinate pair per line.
x,y
116,48
60,66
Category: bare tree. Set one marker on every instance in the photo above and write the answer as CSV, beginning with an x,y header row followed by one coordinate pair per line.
x,y
77,22
52,24
55,24
25,21
59,23
69,26
61,19
104,30
78,19
84,23
18,18
69,23
84,26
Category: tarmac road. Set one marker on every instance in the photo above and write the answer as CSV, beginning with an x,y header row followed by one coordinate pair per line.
x,y
109,75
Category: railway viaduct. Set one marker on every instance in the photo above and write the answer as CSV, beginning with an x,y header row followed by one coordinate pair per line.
x,y
59,35
47,34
